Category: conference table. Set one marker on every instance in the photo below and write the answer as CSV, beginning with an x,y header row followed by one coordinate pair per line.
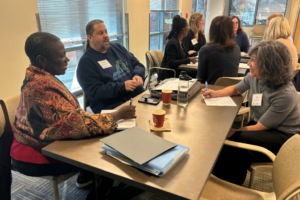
x,y
201,128
243,68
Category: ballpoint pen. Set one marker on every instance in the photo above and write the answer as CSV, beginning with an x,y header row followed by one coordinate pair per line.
x,y
206,88
131,101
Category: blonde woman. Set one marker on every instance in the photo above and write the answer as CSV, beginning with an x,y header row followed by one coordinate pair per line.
x,y
195,38
279,30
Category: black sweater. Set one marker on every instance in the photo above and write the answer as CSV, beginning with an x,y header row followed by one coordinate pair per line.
x,y
173,57
213,63
187,41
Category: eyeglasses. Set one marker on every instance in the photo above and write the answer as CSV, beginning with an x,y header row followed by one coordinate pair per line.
x,y
235,22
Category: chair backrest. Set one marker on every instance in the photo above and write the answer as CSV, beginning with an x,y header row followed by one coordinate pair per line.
x,y
296,70
154,58
259,29
11,103
286,168
86,101
228,81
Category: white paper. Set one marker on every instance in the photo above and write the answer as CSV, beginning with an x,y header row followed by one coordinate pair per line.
x,y
173,85
192,64
122,123
244,66
256,99
219,101
104,64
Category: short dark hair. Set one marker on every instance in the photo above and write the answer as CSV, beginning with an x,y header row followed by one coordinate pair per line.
x,y
239,23
178,24
39,43
221,33
274,62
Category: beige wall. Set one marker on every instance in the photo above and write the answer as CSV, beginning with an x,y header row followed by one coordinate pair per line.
x,y
17,22
185,6
139,28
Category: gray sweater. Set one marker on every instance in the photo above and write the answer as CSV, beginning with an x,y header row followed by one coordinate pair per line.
x,y
279,108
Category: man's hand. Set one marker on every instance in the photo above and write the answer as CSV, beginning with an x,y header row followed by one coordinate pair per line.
x,y
138,80
230,133
130,85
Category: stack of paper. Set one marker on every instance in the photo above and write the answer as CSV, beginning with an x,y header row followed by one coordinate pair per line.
x,y
143,150
122,123
219,101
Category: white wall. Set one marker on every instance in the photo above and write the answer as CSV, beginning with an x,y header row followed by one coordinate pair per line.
x,y
214,8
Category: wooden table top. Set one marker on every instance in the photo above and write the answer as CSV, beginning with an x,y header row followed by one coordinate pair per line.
x,y
200,127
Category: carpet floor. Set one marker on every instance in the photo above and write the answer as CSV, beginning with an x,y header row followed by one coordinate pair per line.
x,y
32,188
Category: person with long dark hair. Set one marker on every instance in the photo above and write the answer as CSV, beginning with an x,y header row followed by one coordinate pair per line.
x,y
221,56
175,52
195,38
241,37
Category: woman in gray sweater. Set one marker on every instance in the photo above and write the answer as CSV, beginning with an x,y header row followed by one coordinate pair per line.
x,y
275,110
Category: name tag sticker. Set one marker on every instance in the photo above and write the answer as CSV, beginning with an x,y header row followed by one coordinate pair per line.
x,y
194,41
256,99
104,64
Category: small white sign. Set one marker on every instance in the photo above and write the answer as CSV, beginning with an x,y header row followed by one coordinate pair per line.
x,y
104,64
256,99
194,41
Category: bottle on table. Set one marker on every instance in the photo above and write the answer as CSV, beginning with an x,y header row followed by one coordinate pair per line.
x,y
183,88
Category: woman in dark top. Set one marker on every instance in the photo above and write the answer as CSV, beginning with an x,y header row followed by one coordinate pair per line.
x,y
221,56
175,53
195,38
241,37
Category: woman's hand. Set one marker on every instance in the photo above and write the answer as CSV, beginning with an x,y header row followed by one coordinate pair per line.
x,y
191,52
193,59
210,93
230,134
126,112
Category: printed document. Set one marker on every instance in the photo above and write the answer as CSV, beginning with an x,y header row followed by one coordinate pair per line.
x,y
220,101
122,123
172,84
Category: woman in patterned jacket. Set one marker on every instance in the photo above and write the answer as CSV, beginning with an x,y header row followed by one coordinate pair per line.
x,y
48,111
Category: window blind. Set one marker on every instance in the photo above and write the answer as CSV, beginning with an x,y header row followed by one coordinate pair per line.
x,y
163,5
67,19
199,6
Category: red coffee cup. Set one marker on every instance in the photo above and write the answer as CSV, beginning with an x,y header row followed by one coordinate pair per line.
x,y
158,118
166,96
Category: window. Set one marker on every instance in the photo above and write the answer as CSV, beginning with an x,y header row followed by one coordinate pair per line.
x,y
199,6
67,20
161,15
253,12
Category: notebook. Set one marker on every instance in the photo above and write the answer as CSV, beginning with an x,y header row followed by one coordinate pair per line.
x,y
158,166
137,144
122,123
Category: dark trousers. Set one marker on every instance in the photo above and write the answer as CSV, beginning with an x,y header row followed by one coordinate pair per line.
x,y
233,162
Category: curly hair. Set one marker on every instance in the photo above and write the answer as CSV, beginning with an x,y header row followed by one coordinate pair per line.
x,y
178,24
274,63
194,22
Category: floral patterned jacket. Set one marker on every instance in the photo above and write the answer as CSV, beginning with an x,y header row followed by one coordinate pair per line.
x,y
48,111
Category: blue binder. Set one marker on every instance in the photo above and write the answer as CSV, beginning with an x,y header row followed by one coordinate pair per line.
x,y
159,165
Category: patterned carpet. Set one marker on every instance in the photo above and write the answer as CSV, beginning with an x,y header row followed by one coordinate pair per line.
x,y
31,188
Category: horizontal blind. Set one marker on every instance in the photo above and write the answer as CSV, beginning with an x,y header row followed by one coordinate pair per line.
x,y
67,19
162,5
199,6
